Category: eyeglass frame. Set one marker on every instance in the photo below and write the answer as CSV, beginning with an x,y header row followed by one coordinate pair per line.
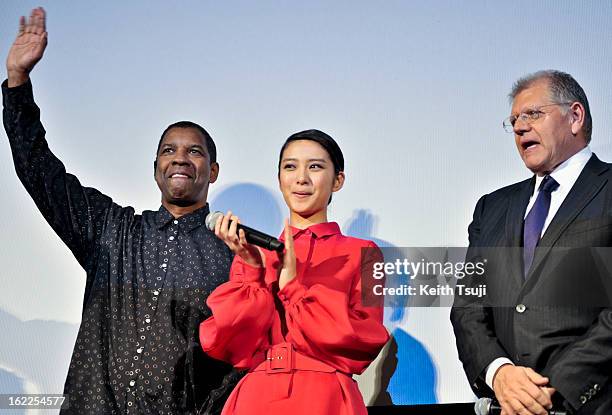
x,y
529,116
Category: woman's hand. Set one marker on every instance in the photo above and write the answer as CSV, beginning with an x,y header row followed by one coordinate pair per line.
x,y
226,229
287,258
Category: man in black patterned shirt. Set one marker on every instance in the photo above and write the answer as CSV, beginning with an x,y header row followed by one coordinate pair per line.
x,y
148,275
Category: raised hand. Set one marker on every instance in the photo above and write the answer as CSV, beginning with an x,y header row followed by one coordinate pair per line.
x,y
288,271
226,229
28,48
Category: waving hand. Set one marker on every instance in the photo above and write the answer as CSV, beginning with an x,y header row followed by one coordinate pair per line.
x,y
28,48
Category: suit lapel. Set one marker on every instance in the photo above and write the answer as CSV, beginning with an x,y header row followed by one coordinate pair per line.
x,y
586,187
514,227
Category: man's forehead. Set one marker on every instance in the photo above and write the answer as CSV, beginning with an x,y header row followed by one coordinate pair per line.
x,y
532,96
184,136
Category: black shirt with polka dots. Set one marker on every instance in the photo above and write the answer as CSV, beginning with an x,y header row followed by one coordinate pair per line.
x,y
148,277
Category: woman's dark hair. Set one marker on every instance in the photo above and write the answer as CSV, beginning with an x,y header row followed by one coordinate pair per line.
x,y
325,141
328,143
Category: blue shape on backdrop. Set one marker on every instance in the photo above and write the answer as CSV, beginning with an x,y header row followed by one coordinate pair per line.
x,y
414,379
13,384
37,355
408,373
255,205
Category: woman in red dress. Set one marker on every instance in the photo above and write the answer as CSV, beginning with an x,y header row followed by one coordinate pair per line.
x,y
296,321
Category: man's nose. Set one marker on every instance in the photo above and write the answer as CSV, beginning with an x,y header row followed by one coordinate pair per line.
x,y
521,126
180,157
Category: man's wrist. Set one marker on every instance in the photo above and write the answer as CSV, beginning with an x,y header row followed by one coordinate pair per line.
x,y
16,78
493,368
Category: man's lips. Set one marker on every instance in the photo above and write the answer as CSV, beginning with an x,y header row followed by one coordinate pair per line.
x,y
527,145
179,175
301,195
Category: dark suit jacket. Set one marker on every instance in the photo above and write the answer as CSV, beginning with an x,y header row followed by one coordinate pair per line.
x,y
558,321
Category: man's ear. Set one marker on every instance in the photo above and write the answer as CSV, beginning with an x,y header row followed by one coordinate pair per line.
x,y
577,114
214,172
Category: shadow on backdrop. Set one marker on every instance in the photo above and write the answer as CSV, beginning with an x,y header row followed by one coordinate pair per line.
x,y
408,374
11,383
255,205
37,355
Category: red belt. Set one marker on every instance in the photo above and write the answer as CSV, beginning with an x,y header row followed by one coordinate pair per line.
x,y
283,358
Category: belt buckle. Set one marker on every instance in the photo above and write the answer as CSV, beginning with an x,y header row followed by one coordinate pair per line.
x,y
279,358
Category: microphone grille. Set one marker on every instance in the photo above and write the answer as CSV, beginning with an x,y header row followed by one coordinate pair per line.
x,y
211,219
483,406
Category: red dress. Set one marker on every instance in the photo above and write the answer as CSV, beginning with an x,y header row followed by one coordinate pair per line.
x,y
301,344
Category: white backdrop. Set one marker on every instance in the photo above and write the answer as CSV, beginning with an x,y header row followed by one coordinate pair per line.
x,y
414,92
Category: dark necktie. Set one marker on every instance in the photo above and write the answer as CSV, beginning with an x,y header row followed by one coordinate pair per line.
x,y
534,222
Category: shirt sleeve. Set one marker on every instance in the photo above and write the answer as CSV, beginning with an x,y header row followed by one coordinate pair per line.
x,y
494,367
243,311
334,326
76,213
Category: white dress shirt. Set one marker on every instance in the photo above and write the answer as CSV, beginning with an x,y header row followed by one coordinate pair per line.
x,y
566,175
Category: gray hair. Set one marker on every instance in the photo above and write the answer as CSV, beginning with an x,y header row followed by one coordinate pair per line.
x,y
562,88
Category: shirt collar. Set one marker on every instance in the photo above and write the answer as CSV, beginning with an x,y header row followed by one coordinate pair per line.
x,y
567,172
319,230
188,222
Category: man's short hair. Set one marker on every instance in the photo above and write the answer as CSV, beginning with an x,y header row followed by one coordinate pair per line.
x,y
562,88
210,144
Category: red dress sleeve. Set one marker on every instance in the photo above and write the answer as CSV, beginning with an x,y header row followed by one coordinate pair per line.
x,y
332,325
243,310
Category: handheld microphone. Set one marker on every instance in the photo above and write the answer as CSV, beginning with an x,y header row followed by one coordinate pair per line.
x,y
488,406
253,236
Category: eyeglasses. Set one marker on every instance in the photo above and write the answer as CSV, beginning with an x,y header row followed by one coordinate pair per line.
x,y
528,116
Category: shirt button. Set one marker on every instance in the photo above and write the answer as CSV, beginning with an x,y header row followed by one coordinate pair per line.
x,y
155,292
132,382
139,350
175,222
521,308
147,320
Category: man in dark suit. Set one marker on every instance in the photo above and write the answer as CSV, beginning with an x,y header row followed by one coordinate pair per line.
x,y
544,336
